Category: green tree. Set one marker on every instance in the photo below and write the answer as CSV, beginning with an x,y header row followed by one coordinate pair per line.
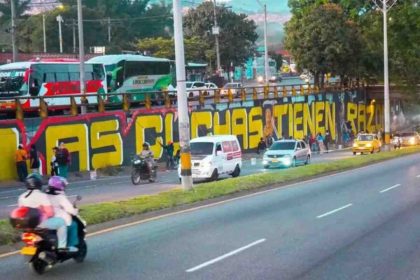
x,y
237,33
324,41
195,48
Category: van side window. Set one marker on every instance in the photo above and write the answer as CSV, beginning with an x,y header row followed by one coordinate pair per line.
x,y
218,147
298,146
235,146
227,147
303,145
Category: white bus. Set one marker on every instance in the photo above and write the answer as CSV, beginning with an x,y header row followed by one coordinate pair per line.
x,y
48,78
138,74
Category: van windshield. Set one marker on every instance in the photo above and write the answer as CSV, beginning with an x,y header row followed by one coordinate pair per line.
x,y
201,148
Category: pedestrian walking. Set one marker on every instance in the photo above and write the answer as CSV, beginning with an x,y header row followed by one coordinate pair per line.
x,y
262,146
34,159
320,141
177,157
169,151
327,140
313,143
63,160
54,163
20,157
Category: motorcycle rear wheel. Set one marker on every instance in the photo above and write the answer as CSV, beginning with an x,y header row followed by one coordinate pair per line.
x,y
38,266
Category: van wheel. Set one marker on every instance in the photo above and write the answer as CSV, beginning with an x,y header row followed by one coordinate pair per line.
x,y
236,172
214,175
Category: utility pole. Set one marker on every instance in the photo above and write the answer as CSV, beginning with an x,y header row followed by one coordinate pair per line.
x,y
44,32
266,66
83,100
216,32
13,31
59,19
109,30
73,27
384,6
184,121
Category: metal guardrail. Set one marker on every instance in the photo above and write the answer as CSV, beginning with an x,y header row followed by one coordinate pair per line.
x,y
168,99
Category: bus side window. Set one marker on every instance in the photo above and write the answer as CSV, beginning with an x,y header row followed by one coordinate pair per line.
x,y
34,88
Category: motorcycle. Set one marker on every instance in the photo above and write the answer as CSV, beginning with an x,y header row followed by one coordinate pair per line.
x,y
41,246
141,172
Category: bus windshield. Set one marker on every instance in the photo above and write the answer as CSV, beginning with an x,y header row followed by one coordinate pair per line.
x,y
12,83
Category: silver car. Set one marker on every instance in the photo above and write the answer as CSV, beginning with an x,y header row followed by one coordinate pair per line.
x,y
411,138
286,153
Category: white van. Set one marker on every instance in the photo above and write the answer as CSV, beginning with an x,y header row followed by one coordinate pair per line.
x,y
216,155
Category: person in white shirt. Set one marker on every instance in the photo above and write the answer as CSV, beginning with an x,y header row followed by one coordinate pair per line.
x,y
35,198
63,208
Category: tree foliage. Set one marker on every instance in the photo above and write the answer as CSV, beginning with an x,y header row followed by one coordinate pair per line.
x,y
237,32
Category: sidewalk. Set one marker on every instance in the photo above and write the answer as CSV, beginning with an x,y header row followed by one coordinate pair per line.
x,y
126,170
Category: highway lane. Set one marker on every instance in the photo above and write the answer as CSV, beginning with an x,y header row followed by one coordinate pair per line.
x,y
360,224
120,187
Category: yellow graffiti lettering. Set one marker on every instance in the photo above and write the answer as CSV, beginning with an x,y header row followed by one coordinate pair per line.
x,y
60,133
200,119
319,117
8,145
361,120
330,118
149,122
240,125
278,112
291,119
256,125
219,128
308,119
352,115
370,113
298,121
105,134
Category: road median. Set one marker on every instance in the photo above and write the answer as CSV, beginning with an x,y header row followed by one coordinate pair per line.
x,y
109,211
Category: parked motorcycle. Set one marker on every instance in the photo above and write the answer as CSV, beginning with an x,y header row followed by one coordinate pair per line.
x,y
141,171
41,246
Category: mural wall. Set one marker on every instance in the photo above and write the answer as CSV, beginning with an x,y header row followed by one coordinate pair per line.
x,y
98,140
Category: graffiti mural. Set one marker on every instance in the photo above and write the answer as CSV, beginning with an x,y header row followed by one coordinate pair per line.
x,y
98,140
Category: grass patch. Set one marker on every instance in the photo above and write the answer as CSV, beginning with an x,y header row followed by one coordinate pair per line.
x,y
107,211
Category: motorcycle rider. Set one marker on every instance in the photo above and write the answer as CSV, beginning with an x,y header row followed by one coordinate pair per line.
x,y
35,198
63,208
147,154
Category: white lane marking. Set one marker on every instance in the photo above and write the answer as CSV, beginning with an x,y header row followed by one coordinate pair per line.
x,y
234,252
334,211
418,176
390,188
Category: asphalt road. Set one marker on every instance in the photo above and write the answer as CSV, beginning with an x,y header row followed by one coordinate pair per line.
x,y
360,224
120,188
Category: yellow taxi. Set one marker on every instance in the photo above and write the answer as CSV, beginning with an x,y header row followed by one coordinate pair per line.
x,y
366,143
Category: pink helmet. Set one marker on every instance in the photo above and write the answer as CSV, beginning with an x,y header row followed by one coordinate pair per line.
x,y
57,183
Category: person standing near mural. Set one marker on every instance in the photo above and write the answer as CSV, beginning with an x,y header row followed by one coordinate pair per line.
x,y
261,146
63,160
54,164
327,140
20,157
169,151
320,141
34,159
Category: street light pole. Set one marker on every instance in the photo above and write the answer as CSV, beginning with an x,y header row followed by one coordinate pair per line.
x,y
216,31
60,35
44,33
184,122
266,66
384,7
13,31
81,56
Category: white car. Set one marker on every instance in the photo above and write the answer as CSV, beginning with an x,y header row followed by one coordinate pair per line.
x,y
286,153
234,88
194,88
211,88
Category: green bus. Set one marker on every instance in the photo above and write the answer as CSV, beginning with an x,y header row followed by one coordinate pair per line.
x,y
136,74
